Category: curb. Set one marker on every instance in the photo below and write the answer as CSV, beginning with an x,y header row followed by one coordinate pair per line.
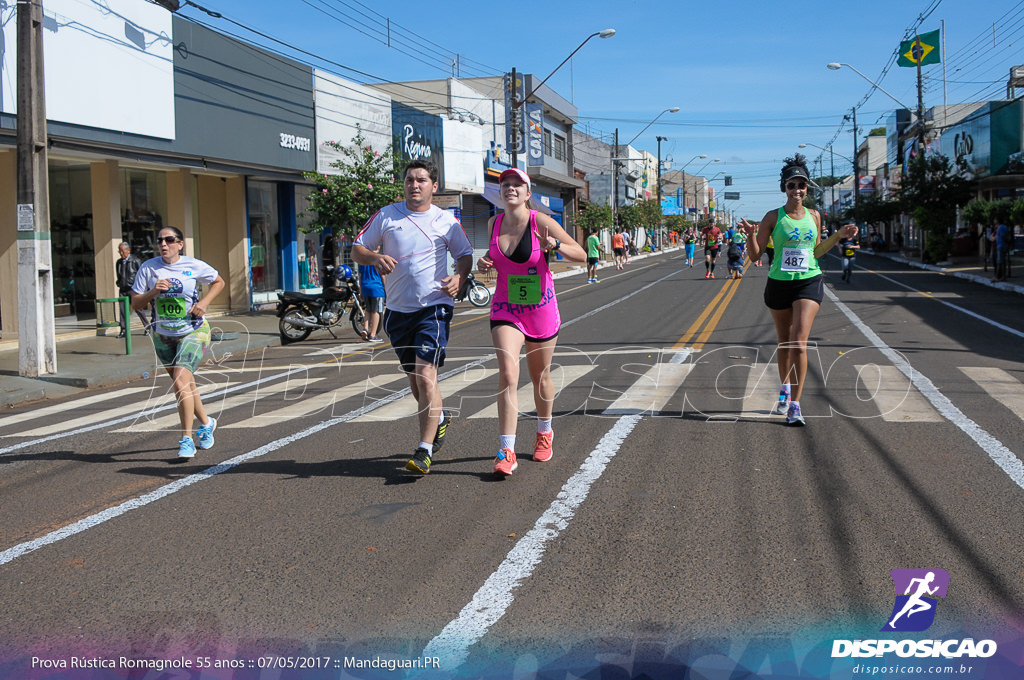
x,y
983,280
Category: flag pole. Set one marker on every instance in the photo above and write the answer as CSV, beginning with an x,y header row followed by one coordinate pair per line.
x,y
945,104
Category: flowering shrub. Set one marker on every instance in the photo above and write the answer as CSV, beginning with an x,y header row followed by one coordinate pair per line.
x,y
365,183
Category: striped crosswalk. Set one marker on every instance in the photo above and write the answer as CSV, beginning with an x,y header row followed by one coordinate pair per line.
x,y
880,391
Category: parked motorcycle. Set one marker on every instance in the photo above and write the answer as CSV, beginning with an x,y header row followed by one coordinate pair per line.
x,y
300,313
479,294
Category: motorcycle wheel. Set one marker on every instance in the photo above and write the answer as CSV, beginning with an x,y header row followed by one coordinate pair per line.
x,y
358,320
289,329
479,295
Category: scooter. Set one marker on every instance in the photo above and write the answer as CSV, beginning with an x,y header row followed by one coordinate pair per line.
x,y
479,295
300,314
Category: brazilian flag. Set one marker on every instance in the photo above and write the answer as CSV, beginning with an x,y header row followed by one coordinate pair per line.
x,y
923,50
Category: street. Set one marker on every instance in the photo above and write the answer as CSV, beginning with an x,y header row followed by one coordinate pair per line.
x,y
679,523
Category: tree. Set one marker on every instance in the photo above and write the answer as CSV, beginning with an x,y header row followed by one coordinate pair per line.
x,y
365,183
676,223
932,192
877,132
593,216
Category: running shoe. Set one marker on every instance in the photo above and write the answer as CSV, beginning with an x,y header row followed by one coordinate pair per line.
x,y
376,339
420,462
186,448
712,275
783,404
505,463
596,280
707,275
542,449
442,430
205,434
793,416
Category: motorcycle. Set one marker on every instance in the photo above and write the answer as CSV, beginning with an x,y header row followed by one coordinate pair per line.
x,y
479,294
300,313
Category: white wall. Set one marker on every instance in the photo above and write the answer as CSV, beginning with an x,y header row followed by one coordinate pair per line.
x,y
340,106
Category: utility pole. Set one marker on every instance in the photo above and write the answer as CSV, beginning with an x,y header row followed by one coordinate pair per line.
x,y
856,173
615,180
37,348
516,104
920,101
660,140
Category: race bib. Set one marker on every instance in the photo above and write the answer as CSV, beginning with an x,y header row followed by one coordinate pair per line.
x,y
171,307
795,260
524,290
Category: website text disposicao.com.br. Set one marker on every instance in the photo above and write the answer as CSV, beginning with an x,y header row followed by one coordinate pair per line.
x,y
902,670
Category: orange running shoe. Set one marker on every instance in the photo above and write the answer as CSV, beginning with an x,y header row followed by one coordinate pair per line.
x,y
505,463
542,450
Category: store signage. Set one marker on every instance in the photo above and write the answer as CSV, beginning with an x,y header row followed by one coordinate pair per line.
x,y
417,135
514,128
535,133
295,142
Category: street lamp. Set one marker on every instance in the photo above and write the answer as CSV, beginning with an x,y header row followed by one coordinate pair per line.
x,y
696,176
517,103
615,166
832,169
674,109
836,65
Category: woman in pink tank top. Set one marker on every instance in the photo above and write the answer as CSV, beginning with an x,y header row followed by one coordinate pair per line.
x,y
524,310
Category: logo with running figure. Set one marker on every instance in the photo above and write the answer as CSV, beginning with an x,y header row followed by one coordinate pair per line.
x,y
916,593
176,286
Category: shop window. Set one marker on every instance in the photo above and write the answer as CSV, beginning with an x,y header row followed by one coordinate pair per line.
x,y
559,148
264,237
144,210
547,142
310,250
74,254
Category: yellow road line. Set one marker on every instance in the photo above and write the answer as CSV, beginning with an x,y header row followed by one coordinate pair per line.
x,y
695,326
713,323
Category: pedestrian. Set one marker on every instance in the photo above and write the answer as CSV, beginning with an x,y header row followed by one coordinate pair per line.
x,y
711,235
628,247
795,286
848,248
524,311
619,248
594,250
734,256
415,238
181,333
690,244
371,286
125,270
1003,240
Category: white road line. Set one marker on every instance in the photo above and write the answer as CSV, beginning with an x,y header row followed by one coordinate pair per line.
x,y
407,405
613,303
216,408
133,504
66,407
561,376
996,450
897,400
315,404
153,405
1000,385
495,596
650,392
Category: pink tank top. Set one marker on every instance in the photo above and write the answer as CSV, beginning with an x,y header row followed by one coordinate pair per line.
x,y
525,292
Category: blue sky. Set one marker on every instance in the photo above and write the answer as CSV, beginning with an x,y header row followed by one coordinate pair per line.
x,y
749,77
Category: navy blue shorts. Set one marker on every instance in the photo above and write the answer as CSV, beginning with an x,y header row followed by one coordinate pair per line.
x,y
422,334
781,294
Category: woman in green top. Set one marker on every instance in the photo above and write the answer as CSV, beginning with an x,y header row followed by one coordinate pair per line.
x,y
795,285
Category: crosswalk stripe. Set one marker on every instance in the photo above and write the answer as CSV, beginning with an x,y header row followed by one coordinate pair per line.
x,y
762,392
561,376
216,408
407,405
651,391
892,393
999,385
156,402
69,406
314,404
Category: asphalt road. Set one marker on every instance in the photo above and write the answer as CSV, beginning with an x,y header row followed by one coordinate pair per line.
x,y
677,522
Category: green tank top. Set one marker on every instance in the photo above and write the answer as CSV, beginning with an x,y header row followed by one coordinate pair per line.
x,y
794,248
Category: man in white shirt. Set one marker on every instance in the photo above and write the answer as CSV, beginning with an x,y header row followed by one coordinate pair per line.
x,y
414,240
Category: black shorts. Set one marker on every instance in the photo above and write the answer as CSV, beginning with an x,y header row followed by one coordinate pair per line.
x,y
713,252
619,252
591,261
373,304
422,334
499,322
781,294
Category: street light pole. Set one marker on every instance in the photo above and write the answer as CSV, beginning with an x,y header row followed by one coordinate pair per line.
x,y
660,140
37,348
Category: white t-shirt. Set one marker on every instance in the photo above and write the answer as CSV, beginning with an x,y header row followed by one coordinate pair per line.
x,y
173,306
420,242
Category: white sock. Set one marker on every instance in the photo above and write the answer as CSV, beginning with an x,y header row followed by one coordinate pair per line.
x,y
508,441
543,425
786,388
428,447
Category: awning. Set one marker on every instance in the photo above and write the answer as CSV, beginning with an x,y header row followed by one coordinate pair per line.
x,y
493,194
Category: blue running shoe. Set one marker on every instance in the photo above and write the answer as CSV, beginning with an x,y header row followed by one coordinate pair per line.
x,y
793,416
205,434
186,448
783,404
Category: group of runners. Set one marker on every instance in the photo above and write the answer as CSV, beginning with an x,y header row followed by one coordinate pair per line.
x,y
409,244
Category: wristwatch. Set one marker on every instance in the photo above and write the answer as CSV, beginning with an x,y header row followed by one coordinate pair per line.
x,y
558,244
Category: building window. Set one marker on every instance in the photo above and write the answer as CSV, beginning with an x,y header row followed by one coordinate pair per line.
x,y
264,237
547,142
559,148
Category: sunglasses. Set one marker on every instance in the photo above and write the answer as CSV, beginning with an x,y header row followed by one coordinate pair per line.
x,y
796,185
167,239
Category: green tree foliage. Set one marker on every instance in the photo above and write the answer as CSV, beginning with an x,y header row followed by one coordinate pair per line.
x,y
876,210
676,223
932,192
593,216
366,182
877,132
